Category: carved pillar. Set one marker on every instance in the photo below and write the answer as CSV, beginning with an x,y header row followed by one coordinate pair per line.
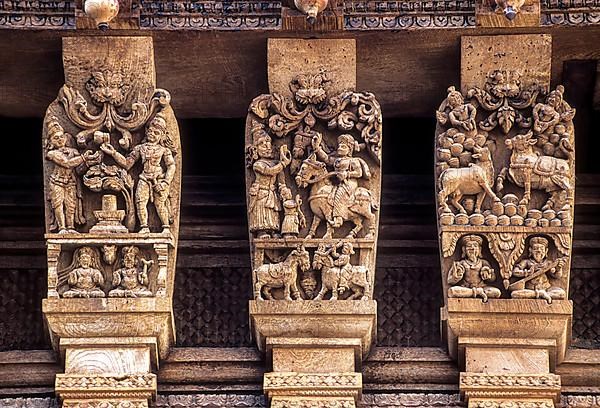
x,y
313,179
505,182
112,176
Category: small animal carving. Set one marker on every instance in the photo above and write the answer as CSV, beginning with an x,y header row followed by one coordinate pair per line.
x,y
281,275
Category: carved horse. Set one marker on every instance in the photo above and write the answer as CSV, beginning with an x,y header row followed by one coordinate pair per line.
x,y
281,275
314,173
336,281
530,170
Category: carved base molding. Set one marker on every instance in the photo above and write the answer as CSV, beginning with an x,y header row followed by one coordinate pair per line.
x,y
315,348
499,403
105,403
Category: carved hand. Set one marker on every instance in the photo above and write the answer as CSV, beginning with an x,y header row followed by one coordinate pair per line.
x,y
485,273
92,157
284,155
108,148
316,141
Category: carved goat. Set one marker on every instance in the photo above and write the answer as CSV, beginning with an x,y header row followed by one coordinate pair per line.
x,y
476,179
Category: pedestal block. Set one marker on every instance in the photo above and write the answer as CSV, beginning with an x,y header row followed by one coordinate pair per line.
x,y
315,350
508,349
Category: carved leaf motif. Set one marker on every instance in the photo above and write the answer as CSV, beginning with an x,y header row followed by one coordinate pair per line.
x,y
260,106
563,243
506,248
449,240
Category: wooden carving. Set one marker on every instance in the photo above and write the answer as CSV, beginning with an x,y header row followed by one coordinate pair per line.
x,y
313,185
505,189
112,170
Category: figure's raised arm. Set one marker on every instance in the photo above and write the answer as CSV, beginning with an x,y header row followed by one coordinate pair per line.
x,y
125,162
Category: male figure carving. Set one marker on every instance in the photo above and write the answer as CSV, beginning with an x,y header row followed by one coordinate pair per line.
x,y
535,271
154,181
65,196
470,274
348,171
131,280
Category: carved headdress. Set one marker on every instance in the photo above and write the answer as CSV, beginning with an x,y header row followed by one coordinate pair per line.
x,y
53,128
159,122
259,134
538,240
472,238
63,275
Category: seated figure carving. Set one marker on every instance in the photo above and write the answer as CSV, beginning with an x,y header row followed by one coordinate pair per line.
x,y
85,278
131,280
534,272
469,275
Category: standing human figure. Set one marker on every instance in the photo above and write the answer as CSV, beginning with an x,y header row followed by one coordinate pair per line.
x,y
154,182
65,195
264,205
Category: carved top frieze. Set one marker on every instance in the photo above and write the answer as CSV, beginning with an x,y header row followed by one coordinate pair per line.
x,y
313,184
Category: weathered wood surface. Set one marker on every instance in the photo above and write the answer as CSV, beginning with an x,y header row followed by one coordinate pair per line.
x,y
241,369
216,74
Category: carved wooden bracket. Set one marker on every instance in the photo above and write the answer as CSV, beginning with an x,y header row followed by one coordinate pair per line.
x,y
112,175
313,188
505,169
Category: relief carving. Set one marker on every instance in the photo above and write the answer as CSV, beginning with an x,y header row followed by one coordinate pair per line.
x,y
142,130
505,171
112,175
313,183
131,280
84,277
91,275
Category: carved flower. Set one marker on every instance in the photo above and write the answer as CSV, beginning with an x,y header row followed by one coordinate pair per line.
x,y
277,124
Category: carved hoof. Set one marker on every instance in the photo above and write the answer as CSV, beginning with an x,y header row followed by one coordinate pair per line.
x,y
289,298
365,297
370,235
144,230
309,236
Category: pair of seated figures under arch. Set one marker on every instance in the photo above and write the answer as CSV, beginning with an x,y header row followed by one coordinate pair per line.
x,y
85,277
472,275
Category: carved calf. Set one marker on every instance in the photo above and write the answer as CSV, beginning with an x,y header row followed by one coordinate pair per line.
x,y
530,170
476,179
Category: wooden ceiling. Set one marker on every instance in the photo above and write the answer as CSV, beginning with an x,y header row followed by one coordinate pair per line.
x,y
216,74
